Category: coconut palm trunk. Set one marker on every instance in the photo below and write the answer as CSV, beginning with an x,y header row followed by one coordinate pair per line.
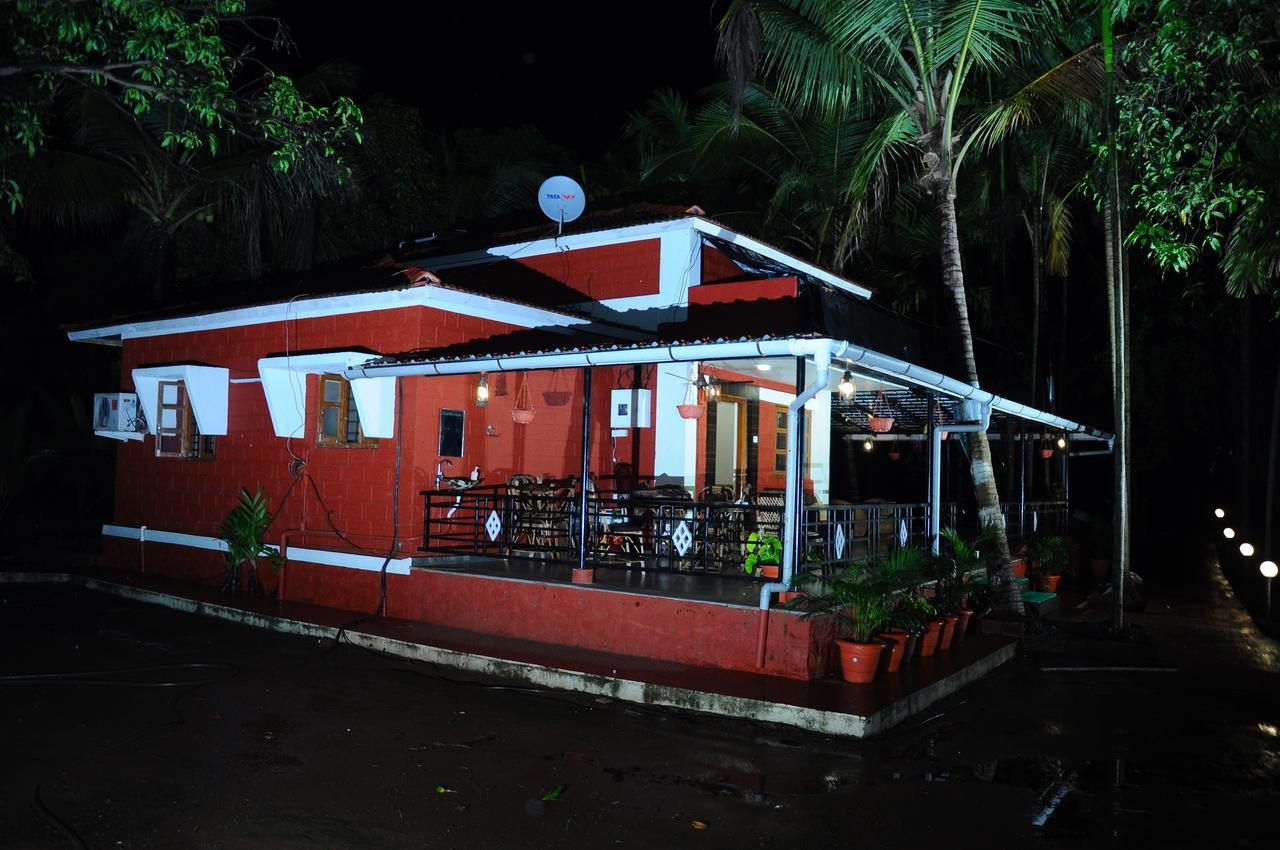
x,y
1005,595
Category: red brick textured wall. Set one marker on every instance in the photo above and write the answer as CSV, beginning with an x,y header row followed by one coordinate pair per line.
x,y
609,271
355,484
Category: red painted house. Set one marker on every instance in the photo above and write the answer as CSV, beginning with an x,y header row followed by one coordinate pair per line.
x,y
354,403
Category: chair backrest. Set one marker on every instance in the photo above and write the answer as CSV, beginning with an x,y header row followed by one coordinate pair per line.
x,y
716,493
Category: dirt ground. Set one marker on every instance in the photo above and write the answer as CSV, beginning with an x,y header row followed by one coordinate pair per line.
x,y
246,738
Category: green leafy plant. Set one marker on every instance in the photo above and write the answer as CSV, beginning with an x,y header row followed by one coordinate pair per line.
x,y
242,531
911,610
957,558
861,598
1048,556
762,550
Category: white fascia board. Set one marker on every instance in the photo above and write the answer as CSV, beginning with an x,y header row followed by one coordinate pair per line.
x,y
616,236
206,386
324,557
285,386
435,297
774,254
863,358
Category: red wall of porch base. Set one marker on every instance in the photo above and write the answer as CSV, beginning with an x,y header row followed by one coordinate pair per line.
x,y
679,631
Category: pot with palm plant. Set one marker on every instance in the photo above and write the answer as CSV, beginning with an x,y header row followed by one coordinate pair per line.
x,y
956,561
242,532
911,613
859,600
1048,559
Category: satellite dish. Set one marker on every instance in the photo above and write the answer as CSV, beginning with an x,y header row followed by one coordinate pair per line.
x,y
561,199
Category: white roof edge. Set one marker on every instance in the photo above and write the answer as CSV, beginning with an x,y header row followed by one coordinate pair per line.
x,y
437,297
865,358
755,245
538,247
636,232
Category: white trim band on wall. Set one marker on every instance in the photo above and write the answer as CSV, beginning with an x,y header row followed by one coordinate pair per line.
x,y
323,557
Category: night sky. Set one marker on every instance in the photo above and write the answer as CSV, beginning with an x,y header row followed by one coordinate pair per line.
x,y
574,70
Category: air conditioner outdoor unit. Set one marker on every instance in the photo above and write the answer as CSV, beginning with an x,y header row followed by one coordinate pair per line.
x,y
117,413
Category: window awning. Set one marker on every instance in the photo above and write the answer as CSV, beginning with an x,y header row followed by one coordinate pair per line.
x,y
206,390
284,383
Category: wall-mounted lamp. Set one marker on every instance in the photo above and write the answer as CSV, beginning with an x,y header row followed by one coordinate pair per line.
x,y
482,391
867,445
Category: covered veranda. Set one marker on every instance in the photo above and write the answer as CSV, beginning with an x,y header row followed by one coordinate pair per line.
x,y
689,529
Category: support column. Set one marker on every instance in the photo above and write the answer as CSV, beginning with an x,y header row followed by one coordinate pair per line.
x,y
583,519
798,447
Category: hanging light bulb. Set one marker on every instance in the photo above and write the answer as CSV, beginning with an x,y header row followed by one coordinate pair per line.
x,y
482,391
1062,442
1268,569
1219,513
846,386
867,445
1246,549
1228,532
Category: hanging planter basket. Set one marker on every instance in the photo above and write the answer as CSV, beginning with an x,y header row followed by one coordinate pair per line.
x,y
894,454
693,408
554,396
881,418
1046,451
522,413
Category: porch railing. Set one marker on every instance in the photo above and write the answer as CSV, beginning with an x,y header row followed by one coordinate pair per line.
x,y
1022,522
679,535
629,531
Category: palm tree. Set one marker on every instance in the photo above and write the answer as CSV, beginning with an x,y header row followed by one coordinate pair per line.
x,y
915,59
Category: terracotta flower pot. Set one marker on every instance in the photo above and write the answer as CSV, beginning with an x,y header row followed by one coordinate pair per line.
x,y
1046,453
771,571
789,596
929,640
909,649
691,411
859,661
587,576
948,632
522,416
895,646
962,625
1050,583
1019,568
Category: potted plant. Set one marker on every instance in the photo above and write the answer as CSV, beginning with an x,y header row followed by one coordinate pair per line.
x,y
242,531
764,553
1048,558
956,560
910,613
859,599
